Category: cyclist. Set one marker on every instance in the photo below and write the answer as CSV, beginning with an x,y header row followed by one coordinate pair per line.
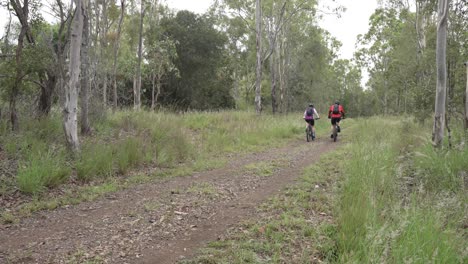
x,y
309,117
336,112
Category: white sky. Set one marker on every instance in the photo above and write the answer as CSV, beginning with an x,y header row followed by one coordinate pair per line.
x,y
353,22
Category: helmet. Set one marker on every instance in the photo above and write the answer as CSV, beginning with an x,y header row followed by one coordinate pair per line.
x,y
311,105
337,102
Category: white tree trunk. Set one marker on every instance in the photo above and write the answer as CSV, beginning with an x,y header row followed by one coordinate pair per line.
x,y
137,99
441,89
258,82
466,99
153,87
116,53
70,122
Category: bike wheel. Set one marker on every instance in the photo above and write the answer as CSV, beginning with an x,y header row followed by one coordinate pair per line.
x,y
308,138
335,133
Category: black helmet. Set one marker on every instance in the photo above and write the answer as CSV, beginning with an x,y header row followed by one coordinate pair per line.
x,y
337,102
311,105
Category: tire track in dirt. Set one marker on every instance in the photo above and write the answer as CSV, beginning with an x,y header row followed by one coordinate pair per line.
x,y
159,222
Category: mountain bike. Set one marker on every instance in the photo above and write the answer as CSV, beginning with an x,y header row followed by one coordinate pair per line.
x,y
310,134
335,133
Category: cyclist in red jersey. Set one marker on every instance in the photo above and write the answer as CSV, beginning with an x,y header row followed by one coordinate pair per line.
x,y
336,113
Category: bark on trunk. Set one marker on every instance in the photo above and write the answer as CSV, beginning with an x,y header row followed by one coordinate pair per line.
x,y
116,53
47,90
137,100
466,99
258,82
441,89
85,126
103,59
22,13
70,123
274,101
153,87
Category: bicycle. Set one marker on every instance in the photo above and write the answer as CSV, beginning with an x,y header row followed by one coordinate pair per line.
x,y
310,134
335,132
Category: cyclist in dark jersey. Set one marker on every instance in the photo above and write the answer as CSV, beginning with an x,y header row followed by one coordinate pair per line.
x,y
309,116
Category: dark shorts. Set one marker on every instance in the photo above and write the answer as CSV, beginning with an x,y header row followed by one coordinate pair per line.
x,y
335,120
310,121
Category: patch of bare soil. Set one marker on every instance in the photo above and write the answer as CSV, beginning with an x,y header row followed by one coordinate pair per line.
x,y
161,222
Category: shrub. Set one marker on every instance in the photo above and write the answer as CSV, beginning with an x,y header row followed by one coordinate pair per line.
x,y
42,170
96,160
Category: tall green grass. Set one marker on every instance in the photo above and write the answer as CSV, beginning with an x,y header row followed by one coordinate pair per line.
x,y
127,140
230,131
95,161
401,201
42,170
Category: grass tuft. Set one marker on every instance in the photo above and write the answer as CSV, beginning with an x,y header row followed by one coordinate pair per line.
x,y
41,171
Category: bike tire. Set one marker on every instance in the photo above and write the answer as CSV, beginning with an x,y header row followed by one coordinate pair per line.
x,y
308,134
335,133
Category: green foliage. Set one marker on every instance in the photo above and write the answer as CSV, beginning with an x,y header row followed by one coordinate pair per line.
x,y
205,78
442,170
399,53
177,144
130,154
388,209
423,239
42,170
95,161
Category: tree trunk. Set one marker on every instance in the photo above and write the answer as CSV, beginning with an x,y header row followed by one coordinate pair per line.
x,y
281,72
274,101
158,89
466,99
70,110
85,126
22,13
258,82
137,99
153,86
441,89
116,53
103,59
47,90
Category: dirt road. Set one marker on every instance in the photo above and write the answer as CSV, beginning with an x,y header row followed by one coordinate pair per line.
x,y
161,222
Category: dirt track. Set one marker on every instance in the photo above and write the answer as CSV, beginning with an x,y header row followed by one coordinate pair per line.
x,y
160,222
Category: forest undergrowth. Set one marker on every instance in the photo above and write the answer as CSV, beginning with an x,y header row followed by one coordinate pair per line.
x,y
126,148
387,196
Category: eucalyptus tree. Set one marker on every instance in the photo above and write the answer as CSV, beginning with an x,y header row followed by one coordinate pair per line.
x,y
384,28
116,46
466,99
137,86
160,53
277,16
22,12
85,68
70,110
441,89
258,37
